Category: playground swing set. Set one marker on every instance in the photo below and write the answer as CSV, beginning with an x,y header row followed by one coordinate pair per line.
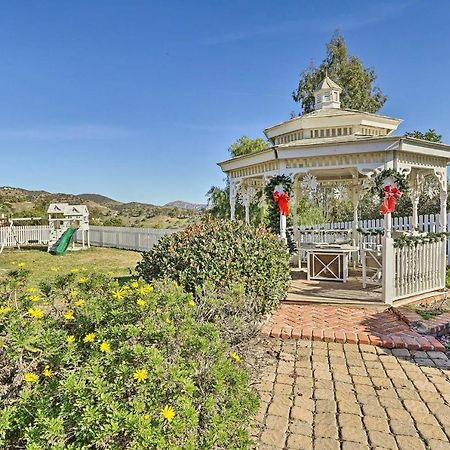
x,y
64,223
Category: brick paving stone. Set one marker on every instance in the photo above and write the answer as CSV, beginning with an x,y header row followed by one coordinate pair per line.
x,y
303,428
354,446
276,422
326,444
403,428
410,442
325,426
354,434
309,403
430,432
438,445
301,414
383,440
275,438
376,424
300,442
349,420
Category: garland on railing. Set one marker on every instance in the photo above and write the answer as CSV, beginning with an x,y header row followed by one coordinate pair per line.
x,y
412,241
315,230
371,231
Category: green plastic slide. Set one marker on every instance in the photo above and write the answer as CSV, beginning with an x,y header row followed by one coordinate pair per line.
x,y
64,241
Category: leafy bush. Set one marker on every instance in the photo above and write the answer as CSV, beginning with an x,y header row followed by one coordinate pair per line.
x,y
222,254
86,363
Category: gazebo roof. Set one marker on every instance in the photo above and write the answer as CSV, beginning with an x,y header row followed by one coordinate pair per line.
x,y
328,83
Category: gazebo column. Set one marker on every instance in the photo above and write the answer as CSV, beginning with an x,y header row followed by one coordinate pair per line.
x,y
416,182
441,175
233,194
355,202
248,194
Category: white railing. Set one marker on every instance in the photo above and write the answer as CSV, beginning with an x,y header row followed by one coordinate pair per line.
x,y
418,268
426,223
140,239
24,235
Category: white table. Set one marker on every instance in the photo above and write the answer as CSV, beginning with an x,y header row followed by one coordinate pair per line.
x,y
329,262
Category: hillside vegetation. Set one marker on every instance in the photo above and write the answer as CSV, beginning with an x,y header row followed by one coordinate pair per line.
x,y
17,202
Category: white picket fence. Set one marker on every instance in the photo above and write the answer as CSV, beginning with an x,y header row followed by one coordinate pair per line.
x,y
139,239
25,235
418,269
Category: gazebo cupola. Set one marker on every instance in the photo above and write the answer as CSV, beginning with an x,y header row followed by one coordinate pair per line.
x,y
327,95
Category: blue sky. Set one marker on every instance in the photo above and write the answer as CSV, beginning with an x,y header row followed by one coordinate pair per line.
x,y
139,100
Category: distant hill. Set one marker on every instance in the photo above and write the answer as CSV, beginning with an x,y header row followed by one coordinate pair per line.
x,y
185,205
18,202
100,199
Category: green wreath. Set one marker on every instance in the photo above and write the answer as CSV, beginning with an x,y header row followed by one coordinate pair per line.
x,y
399,178
273,211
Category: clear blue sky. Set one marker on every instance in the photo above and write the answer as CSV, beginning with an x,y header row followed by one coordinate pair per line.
x,y
139,100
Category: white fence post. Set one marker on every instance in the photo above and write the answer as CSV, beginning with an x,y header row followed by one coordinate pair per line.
x,y
388,270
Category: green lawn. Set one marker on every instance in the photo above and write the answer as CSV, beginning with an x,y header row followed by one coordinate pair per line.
x,y
42,264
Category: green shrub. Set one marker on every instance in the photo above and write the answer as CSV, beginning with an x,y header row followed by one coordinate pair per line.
x,y
88,364
222,254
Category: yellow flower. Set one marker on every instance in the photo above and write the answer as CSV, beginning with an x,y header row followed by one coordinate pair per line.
x,y
73,293
69,315
134,284
70,339
89,338
37,313
118,294
141,302
21,264
75,270
191,303
146,416
45,303
236,357
32,289
145,289
31,377
54,269
5,310
105,347
84,269
47,372
80,302
33,298
82,280
140,375
168,413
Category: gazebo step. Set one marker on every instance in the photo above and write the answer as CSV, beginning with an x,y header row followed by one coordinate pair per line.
x,y
422,298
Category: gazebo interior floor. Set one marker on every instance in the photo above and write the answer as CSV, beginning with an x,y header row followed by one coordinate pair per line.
x,y
318,291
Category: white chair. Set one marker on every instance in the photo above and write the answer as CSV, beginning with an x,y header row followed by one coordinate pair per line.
x,y
371,261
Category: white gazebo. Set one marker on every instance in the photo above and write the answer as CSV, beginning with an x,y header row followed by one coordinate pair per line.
x,y
331,146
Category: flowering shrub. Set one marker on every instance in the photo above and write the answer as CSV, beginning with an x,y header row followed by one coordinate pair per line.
x,y
223,254
86,363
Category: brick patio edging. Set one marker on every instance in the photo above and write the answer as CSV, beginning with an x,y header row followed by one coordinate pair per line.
x,y
437,326
392,335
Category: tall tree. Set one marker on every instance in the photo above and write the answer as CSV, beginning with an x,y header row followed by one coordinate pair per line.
x,y
429,135
346,70
245,146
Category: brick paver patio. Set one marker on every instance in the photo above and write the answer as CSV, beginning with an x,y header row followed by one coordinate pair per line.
x,y
330,396
346,324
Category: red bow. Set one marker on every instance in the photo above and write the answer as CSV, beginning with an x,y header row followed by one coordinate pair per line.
x,y
282,199
391,194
